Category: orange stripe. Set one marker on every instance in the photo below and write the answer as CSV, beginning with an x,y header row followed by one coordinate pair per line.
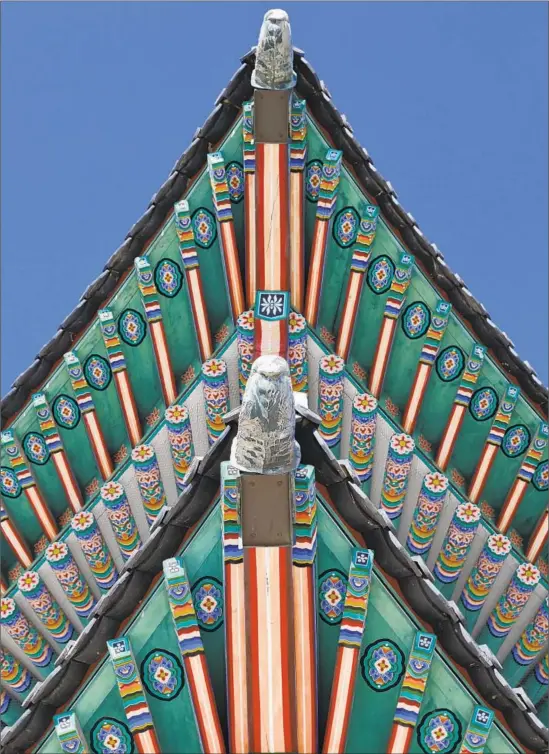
x,y
67,480
415,400
511,505
381,358
43,513
129,409
254,703
98,444
482,471
286,647
163,361
538,540
14,540
449,436
284,209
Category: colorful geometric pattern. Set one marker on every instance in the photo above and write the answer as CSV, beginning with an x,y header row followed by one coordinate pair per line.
x,y
298,135
216,396
248,146
168,278
380,274
121,518
382,665
147,288
182,608
17,461
533,457
244,348
477,731
47,425
272,305
10,484
540,480
185,234
331,380
232,531
97,372
45,607
15,675
297,352
70,578
111,736
435,333
427,512
332,588
439,731
313,178
24,634
470,376
132,328
516,440
115,354
531,641
208,603
416,320
35,448
204,227
95,549
485,571
180,436
149,481
397,470
220,188
450,363
415,680
457,542
512,601
365,239
235,181
345,227
355,607
66,412
503,416
130,687
162,674
69,734
363,435
399,285
78,382
329,184
484,404
305,523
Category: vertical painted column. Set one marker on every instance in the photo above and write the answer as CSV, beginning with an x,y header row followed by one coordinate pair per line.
x,y
45,606
30,488
477,732
244,348
95,549
363,436
69,733
461,401
412,692
25,635
14,675
58,455
121,517
482,577
193,656
224,214
216,396
359,263
329,184
235,612
297,352
538,539
117,361
493,442
149,481
271,323
529,645
397,472
393,306
298,158
189,257
70,579
538,681
455,547
523,478
427,358
348,651
427,512
15,541
304,587
331,383
131,691
509,606
180,437
89,414
248,156
153,313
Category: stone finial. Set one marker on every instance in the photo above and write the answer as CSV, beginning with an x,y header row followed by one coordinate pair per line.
x,y
274,55
265,442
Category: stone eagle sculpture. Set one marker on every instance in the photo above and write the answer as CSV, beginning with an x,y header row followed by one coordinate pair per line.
x,y
274,54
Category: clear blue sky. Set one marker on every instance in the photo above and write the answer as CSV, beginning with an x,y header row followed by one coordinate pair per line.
x,y
100,99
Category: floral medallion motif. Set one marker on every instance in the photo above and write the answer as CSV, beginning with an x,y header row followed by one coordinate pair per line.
x,y
234,173
132,327
204,227
35,448
162,674
168,278
540,480
439,731
380,274
484,404
416,320
208,603
345,227
110,736
382,665
516,440
66,412
332,588
313,179
10,483
97,372
450,363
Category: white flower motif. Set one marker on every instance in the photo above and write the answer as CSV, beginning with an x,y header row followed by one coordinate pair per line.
x,y
271,305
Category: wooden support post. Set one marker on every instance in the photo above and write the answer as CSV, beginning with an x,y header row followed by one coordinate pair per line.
x,y
298,158
427,512
15,541
70,578
538,539
95,549
14,675
397,472
121,517
25,635
456,546
180,437
45,607
248,156
149,481
528,646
